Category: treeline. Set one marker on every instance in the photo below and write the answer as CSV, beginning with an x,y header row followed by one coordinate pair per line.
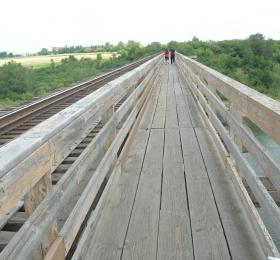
x,y
107,47
4,54
254,61
18,83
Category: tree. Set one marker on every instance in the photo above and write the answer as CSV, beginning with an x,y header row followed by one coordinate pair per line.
x,y
14,79
154,47
44,51
133,49
260,46
120,46
3,54
108,47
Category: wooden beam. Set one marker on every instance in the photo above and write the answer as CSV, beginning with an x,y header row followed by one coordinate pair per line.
x,y
262,233
26,240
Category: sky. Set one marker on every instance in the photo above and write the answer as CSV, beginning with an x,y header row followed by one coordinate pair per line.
x,y
27,26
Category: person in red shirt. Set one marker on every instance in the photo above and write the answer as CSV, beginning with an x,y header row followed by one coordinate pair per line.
x,y
166,55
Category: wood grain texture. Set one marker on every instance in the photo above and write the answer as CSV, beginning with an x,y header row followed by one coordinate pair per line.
x,y
208,237
174,239
185,204
141,239
108,237
159,117
240,233
108,234
261,233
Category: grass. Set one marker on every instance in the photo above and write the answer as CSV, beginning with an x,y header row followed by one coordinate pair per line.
x,y
44,61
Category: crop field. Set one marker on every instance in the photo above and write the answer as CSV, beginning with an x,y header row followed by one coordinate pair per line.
x,y
42,61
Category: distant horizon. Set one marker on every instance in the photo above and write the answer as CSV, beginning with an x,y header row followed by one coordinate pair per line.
x,y
115,43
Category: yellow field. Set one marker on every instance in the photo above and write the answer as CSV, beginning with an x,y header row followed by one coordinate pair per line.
x,y
41,61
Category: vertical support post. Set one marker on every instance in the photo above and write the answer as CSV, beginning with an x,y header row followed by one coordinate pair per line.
x,y
237,140
57,250
235,137
34,197
107,114
31,201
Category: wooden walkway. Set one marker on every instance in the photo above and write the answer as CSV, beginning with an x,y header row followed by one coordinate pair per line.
x,y
174,200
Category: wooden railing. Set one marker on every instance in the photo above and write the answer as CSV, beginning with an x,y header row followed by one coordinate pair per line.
x,y
225,104
29,160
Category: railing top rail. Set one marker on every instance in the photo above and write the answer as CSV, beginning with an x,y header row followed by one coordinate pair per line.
x,y
228,127
244,101
251,93
20,148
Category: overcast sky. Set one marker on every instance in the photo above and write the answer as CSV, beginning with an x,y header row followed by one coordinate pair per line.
x,y
30,25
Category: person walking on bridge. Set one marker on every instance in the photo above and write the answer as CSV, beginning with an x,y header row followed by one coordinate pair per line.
x,y
166,56
172,55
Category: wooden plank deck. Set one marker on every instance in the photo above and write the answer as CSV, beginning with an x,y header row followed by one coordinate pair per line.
x,y
174,200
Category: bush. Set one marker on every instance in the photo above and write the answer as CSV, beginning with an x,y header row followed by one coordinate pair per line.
x,y
18,83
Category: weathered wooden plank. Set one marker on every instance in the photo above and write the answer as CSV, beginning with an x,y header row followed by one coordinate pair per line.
x,y
255,184
175,239
208,237
54,139
16,221
270,166
141,105
159,116
170,81
141,239
83,246
194,115
74,221
121,212
63,191
183,116
183,112
8,215
245,101
38,192
107,238
58,199
185,90
262,234
147,119
240,234
5,237
171,120
57,251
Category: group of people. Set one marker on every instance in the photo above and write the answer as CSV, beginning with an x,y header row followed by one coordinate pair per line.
x,y
170,54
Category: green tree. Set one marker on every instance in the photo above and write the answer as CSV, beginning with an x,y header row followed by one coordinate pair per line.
x,y
44,51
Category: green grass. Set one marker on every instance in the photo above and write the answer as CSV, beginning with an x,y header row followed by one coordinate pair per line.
x,y
44,61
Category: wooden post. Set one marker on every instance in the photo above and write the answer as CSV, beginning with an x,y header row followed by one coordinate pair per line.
x,y
106,115
57,250
34,197
235,137
31,201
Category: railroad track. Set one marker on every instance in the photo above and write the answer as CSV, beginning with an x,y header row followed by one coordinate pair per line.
x,y
16,122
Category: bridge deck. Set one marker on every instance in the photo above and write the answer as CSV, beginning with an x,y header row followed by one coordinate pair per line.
x,y
174,200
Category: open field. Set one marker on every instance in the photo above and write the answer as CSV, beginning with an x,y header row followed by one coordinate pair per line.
x,y
41,61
